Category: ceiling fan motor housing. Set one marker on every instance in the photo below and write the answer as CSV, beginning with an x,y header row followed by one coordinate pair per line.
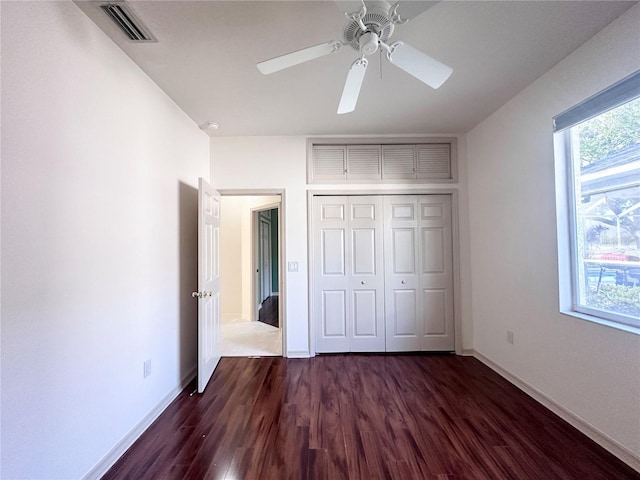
x,y
378,22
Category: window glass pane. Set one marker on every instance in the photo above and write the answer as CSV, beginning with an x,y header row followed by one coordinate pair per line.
x,y
606,169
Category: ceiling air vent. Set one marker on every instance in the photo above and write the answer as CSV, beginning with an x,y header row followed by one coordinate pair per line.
x,y
120,13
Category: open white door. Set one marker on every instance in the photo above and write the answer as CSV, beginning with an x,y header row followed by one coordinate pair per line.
x,y
208,294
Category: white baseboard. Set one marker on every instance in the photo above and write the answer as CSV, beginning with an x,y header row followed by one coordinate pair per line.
x,y
230,316
601,438
123,445
468,352
298,354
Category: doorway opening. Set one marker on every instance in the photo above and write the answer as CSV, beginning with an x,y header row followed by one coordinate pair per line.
x,y
250,276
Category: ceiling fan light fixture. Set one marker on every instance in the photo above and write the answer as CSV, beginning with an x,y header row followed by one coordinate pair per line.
x,y
368,42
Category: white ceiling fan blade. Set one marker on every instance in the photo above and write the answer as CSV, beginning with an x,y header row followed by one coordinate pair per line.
x,y
419,64
299,56
352,86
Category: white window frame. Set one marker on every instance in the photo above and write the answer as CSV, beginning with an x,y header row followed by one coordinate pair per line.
x,y
618,94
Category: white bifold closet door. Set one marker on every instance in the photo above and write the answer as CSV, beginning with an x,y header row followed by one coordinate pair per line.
x,y
418,273
349,274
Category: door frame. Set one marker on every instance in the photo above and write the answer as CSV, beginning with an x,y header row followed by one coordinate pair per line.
x,y
455,231
282,280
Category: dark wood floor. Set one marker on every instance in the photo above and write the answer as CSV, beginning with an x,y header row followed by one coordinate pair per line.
x,y
438,417
269,312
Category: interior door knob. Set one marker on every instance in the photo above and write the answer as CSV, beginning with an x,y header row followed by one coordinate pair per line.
x,y
403,282
203,294
363,282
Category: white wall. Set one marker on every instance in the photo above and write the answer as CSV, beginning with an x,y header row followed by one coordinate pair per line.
x,y
235,250
231,261
589,369
280,163
98,242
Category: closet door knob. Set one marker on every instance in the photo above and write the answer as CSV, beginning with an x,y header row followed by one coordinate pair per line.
x,y
363,282
403,282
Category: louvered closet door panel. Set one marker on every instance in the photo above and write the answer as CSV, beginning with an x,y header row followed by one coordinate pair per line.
x,y
433,161
435,305
366,274
403,332
332,259
329,162
398,162
363,162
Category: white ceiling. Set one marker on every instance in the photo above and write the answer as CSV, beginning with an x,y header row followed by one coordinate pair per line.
x,y
206,54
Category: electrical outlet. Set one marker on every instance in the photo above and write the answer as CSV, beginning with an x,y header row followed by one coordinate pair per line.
x,y
146,368
510,337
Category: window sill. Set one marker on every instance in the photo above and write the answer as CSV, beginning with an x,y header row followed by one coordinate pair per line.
x,y
602,321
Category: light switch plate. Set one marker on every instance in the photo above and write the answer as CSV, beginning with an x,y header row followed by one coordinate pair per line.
x,y
292,266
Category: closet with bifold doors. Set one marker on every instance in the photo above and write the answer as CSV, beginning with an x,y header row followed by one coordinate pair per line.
x,y
382,273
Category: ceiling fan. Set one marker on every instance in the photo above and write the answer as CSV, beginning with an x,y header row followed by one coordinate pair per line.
x,y
368,31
